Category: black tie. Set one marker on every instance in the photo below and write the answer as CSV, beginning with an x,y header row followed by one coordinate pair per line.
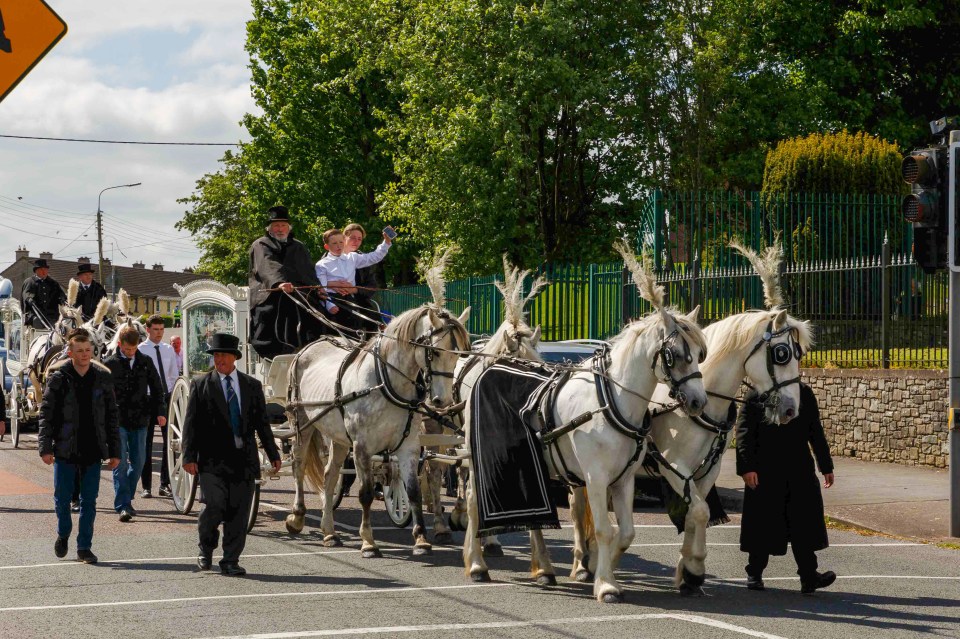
x,y
163,376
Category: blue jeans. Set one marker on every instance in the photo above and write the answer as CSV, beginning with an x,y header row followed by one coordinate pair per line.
x,y
133,452
64,479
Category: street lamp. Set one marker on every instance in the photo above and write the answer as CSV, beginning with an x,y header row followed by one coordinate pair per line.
x,y
100,223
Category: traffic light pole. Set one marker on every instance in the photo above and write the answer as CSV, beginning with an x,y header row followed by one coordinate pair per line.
x,y
954,344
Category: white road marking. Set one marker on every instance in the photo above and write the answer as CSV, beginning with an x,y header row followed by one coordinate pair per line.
x,y
492,625
264,595
147,560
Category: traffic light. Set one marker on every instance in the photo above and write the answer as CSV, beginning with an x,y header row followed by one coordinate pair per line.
x,y
925,170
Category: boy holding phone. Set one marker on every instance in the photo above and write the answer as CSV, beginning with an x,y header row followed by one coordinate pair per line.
x,y
338,268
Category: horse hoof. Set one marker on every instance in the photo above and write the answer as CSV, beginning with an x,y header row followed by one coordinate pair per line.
x,y
332,541
454,522
612,598
371,553
442,538
686,590
583,576
420,551
547,580
493,550
293,526
480,577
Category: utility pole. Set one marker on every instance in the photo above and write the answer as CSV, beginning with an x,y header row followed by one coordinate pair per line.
x,y
100,226
953,263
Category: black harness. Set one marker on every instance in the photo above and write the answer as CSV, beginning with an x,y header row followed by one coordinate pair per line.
x,y
777,355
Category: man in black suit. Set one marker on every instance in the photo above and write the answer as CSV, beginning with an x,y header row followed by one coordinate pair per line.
x,y
224,409
90,293
41,297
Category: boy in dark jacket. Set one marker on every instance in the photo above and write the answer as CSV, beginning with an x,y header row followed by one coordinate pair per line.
x,y
140,401
78,429
782,502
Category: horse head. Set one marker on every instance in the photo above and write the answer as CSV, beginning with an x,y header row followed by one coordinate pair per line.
x,y
514,337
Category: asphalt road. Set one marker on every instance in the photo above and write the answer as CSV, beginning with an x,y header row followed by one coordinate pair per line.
x,y
146,584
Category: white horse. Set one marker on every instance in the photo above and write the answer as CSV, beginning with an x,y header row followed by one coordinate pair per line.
x,y
119,314
599,441
371,397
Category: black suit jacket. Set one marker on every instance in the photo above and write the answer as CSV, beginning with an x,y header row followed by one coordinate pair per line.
x,y
87,300
208,437
139,391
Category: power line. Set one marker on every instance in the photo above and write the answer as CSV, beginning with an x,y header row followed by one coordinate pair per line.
x,y
77,239
36,137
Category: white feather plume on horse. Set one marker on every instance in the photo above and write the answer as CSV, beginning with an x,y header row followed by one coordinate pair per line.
x,y
124,298
103,306
767,266
73,289
644,278
432,273
512,290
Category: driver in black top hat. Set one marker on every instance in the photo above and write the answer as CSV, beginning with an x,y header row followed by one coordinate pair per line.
x,y
41,297
90,293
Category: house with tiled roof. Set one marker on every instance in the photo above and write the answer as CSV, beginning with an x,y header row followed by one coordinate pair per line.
x,y
151,289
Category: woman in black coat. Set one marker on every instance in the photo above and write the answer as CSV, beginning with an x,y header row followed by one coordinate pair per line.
x,y
782,502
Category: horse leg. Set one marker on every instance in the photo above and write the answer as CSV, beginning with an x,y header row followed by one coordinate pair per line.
x,y
491,546
434,476
582,536
361,460
691,569
473,563
622,498
411,481
301,447
540,565
338,453
605,586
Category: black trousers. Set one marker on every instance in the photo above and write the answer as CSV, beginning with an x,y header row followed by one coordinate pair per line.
x,y
146,477
226,500
805,557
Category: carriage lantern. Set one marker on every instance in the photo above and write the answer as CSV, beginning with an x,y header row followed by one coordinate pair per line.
x,y
923,207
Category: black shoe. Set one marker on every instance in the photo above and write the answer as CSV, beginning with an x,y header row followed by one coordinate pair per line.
x,y
145,493
60,547
165,491
378,491
754,583
87,557
125,515
232,569
75,506
822,580
133,511
204,561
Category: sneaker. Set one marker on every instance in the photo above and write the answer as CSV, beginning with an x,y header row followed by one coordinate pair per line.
x,y
75,506
125,515
86,557
145,493
822,580
165,491
60,547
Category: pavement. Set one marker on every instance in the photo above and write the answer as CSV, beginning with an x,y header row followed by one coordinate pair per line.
x,y
904,501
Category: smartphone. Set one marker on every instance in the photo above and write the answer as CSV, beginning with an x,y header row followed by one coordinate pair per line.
x,y
388,230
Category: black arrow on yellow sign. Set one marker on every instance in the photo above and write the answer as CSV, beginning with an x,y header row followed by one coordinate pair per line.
x,y
5,44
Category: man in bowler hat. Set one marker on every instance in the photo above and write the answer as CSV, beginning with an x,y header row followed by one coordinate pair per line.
x,y
225,408
90,293
41,297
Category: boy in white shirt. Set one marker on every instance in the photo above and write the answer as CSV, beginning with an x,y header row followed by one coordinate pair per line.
x,y
336,269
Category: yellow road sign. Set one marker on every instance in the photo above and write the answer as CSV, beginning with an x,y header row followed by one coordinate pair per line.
x,y
28,30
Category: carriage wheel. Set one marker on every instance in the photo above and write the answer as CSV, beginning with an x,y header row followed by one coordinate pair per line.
x,y
395,499
184,484
254,508
13,412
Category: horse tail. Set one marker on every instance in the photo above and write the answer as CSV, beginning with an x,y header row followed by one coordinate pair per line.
x,y
314,462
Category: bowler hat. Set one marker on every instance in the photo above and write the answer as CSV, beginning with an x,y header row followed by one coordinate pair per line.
x,y
84,268
224,343
40,263
279,214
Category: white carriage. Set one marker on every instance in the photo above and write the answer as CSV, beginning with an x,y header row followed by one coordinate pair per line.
x,y
22,405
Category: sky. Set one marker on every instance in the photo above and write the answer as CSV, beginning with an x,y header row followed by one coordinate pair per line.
x,y
170,71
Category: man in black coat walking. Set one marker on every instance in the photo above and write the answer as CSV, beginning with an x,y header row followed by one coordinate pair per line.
x,y
41,297
278,264
90,293
782,502
140,401
225,408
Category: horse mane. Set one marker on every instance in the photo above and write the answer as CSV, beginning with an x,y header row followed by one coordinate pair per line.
x,y
767,266
741,331
405,327
102,307
73,289
627,338
643,276
432,272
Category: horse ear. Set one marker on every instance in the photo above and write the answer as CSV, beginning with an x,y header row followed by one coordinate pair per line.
x,y
464,317
692,315
513,344
780,320
535,338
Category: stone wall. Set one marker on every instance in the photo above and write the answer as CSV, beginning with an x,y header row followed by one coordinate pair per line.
x,y
884,415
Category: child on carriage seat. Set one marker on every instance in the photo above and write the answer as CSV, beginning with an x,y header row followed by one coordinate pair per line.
x,y
337,272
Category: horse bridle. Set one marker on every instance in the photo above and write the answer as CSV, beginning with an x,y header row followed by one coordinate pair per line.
x,y
777,355
667,359
430,350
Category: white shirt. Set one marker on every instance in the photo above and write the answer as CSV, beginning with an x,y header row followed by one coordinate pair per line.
x,y
236,391
169,358
344,266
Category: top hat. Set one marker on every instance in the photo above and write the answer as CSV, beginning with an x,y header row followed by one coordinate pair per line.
x,y
40,263
84,268
224,343
279,214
